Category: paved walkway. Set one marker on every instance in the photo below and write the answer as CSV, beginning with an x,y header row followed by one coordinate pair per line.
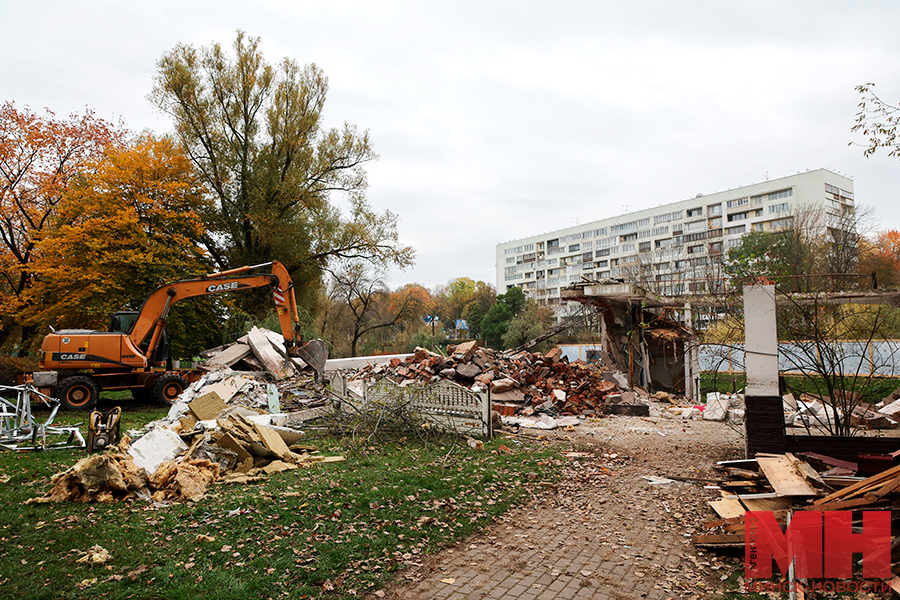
x,y
608,534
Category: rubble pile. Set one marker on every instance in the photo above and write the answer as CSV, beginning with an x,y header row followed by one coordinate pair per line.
x,y
812,410
259,350
718,407
227,427
524,383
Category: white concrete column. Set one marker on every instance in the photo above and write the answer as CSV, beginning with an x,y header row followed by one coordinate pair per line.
x,y
688,355
761,349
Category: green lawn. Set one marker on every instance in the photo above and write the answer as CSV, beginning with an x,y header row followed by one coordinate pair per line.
x,y
339,529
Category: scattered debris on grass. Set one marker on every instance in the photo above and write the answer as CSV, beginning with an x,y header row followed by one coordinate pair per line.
x,y
226,427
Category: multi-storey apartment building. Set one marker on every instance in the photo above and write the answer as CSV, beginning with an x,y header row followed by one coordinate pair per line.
x,y
676,246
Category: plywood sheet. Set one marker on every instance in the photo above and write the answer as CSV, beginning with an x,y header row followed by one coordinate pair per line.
x,y
727,508
784,477
207,406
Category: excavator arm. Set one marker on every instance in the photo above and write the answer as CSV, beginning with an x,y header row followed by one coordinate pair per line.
x,y
152,316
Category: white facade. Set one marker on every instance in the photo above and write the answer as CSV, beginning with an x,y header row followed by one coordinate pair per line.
x,y
677,246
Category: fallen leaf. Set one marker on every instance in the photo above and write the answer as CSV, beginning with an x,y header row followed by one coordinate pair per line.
x,y
133,575
87,582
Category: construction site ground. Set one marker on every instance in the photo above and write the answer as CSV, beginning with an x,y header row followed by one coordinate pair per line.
x,y
603,531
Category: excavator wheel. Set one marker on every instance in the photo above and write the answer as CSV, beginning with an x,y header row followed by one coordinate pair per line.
x,y
77,393
168,387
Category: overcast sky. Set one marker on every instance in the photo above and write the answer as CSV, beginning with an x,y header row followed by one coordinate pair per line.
x,y
499,120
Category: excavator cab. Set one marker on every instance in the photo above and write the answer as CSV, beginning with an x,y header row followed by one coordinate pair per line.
x,y
123,322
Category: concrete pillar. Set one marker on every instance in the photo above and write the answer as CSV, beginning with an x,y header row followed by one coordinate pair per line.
x,y
688,356
764,415
761,348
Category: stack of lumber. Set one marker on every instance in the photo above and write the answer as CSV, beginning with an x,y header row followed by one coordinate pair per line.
x,y
784,483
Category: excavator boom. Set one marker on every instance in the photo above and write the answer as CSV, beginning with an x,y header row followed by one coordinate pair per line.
x,y
74,351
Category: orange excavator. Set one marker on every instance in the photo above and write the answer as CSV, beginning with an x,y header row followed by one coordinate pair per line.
x,y
76,364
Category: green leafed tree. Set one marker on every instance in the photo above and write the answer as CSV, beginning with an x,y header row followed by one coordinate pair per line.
x,y
255,134
532,321
495,323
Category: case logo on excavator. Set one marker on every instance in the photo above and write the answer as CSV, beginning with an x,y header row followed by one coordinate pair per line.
x,y
222,287
72,356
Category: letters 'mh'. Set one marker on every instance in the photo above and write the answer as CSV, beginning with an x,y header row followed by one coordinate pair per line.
x,y
822,543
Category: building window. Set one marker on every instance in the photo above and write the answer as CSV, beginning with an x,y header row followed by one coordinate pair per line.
x,y
511,260
644,247
736,230
780,194
777,208
714,209
716,222
628,248
715,248
660,244
695,226
759,227
782,223
757,200
574,247
738,202
695,249
738,217
587,245
673,216
553,243
604,252
659,230
602,264
694,212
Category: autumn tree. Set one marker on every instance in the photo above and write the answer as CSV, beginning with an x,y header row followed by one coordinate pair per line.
x,y
881,255
464,298
877,120
129,222
363,306
254,132
39,156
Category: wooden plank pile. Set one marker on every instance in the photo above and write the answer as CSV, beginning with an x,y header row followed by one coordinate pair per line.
x,y
784,483
520,384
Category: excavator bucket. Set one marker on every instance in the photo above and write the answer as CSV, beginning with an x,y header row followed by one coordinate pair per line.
x,y
314,353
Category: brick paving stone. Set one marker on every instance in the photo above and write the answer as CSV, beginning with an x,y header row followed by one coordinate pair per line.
x,y
541,552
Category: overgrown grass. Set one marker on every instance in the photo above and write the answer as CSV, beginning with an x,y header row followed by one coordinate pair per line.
x,y
334,530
